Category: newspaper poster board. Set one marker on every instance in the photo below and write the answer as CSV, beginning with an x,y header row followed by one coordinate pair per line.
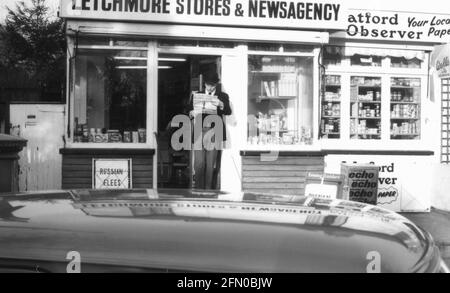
x,y
323,186
111,174
360,182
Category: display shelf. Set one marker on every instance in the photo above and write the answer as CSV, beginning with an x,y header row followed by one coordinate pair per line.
x,y
264,98
405,103
365,108
332,133
331,108
405,108
281,130
367,102
367,86
405,134
271,72
404,87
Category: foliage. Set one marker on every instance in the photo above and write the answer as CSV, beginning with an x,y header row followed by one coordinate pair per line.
x,y
34,42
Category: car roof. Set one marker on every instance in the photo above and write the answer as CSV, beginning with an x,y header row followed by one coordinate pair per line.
x,y
207,231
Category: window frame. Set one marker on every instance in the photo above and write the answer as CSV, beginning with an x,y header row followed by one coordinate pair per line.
x,y
385,72
150,86
314,53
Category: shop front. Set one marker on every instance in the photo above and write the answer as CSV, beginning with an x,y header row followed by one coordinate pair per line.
x,y
305,95
133,67
377,88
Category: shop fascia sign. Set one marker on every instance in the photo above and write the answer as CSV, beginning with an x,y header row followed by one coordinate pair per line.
x,y
396,26
312,14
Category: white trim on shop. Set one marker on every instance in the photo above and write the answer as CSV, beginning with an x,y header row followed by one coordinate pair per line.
x,y
197,32
379,45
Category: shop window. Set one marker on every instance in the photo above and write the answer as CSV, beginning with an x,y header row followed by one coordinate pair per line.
x,y
445,125
93,41
195,43
365,107
129,43
177,43
110,96
264,47
280,101
364,60
331,107
332,55
405,108
271,47
217,44
401,62
295,48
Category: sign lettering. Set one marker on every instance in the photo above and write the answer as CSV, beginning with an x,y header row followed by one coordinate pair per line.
x,y
111,174
327,14
397,26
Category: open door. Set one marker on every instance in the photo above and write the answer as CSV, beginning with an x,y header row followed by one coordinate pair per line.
x,y
178,76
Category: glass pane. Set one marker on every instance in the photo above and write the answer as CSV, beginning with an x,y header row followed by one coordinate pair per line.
x,y
405,108
360,60
110,96
215,44
280,101
266,47
130,43
93,41
332,55
178,42
398,62
331,108
365,108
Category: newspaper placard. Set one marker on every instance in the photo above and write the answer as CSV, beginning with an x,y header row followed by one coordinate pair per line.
x,y
111,174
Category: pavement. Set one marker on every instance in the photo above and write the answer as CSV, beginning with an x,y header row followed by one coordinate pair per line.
x,y
437,223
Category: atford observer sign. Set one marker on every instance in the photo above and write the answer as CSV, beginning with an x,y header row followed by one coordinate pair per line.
x,y
397,26
311,14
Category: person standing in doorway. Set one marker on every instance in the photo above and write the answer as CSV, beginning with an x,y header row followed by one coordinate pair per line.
x,y
207,159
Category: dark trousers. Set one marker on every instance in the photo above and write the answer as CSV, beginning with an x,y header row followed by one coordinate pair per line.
x,y
206,166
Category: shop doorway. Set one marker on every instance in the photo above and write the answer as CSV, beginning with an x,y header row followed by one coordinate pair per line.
x,y
178,76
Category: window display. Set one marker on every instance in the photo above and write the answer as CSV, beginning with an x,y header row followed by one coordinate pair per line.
x,y
331,108
401,62
365,108
405,108
110,96
363,60
280,101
